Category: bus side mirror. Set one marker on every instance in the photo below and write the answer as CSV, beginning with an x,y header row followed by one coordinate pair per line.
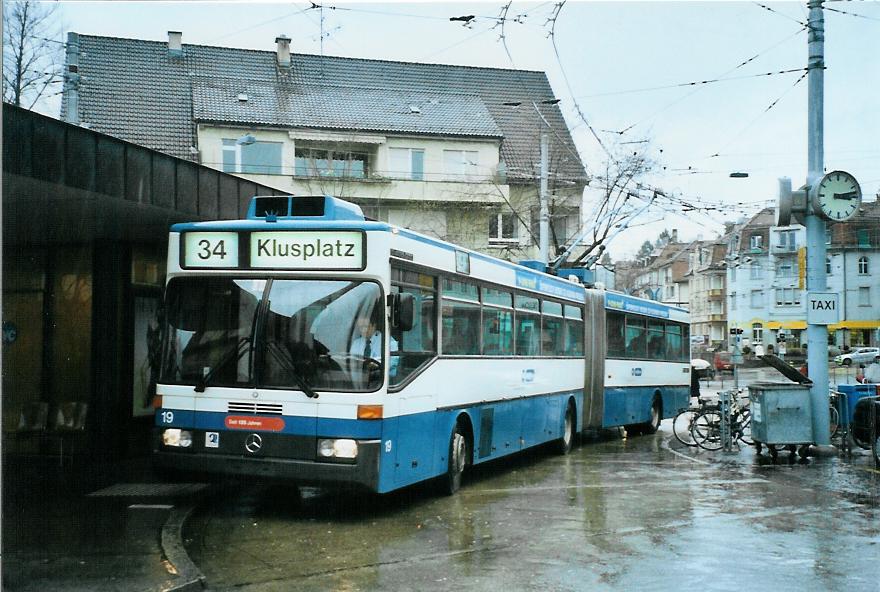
x,y
402,311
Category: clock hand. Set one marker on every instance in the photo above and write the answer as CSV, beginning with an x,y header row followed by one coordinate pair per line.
x,y
848,195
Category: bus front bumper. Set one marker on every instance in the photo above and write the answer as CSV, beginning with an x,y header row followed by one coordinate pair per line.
x,y
364,472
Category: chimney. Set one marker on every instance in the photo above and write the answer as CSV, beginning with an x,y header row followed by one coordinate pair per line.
x,y
283,51
175,44
674,235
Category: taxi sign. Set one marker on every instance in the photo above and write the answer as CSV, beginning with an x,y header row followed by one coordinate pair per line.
x,y
822,308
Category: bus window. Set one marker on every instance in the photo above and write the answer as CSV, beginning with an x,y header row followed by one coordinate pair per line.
x,y
685,353
410,349
528,334
315,331
462,290
528,325
574,331
636,340
656,340
551,337
616,342
497,332
551,329
210,329
673,342
461,328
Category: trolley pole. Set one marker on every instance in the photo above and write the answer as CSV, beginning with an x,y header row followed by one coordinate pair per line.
x,y
817,335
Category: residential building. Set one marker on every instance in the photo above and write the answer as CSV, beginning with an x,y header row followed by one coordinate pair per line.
x,y
766,279
707,291
451,151
664,276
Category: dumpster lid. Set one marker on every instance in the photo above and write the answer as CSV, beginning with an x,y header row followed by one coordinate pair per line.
x,y
768,385
785,369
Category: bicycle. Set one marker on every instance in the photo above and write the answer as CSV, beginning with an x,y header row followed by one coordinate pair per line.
x,y
706,426
683,421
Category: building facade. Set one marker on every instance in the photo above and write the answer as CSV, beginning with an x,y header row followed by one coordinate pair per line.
x,y
766,278
707,292
664,275
450,151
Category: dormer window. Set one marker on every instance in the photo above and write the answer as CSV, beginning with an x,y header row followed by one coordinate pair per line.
x,y
756,242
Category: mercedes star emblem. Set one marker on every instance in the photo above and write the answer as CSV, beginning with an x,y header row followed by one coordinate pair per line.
x,y
253,443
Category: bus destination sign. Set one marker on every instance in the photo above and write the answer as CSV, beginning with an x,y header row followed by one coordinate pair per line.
x,y
300,250
307,250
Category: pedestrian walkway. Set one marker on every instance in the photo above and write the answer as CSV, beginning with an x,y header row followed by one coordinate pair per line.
x,y
105,526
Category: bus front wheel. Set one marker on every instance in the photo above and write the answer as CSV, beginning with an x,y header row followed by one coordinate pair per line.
x,y
458,454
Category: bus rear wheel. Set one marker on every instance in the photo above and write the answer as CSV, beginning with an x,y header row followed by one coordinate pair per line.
x,y
458,455
652,425
564,444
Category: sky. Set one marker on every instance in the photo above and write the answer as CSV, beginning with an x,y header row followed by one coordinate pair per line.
x,y
615,66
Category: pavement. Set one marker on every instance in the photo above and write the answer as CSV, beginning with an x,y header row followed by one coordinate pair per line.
x,y
99,527
117,526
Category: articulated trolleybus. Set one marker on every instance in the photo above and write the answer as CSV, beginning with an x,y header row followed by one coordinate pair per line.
x,y
310,344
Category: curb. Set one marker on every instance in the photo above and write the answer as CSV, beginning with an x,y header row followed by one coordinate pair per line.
x,y
189,576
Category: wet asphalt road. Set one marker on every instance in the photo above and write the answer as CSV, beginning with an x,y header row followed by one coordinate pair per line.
x,y
616,514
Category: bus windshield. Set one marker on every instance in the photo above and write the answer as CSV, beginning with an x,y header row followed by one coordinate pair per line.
x,y
280,334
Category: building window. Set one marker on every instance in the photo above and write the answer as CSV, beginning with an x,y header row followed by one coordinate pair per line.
x,y
407,163
757,298
864,296
828,236
732,274
259,158
828,265
733,301
756,272
757,332
788,296
502,227
862,238
460,165
319,162
787,240
756,242
863,266
785,268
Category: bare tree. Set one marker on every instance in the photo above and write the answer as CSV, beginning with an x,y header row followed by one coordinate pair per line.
x,y
622,199
32,60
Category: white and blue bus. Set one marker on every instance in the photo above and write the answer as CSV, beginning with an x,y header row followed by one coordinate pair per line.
x,y
308,343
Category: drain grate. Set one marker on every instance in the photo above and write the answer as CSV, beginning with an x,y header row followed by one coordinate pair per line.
x,y
150,490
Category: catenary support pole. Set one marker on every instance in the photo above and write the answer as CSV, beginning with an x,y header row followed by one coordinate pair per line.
x,y
544,219
817,335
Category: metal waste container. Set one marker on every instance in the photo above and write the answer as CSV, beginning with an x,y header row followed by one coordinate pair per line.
x,y
781,416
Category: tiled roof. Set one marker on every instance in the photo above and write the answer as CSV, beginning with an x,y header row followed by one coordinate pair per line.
x,y
341,107
133,89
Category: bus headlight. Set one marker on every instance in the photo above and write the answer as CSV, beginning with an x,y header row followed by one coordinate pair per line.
x,y
177,438
340,450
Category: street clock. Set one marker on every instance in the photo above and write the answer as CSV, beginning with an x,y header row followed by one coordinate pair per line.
x,y
836,197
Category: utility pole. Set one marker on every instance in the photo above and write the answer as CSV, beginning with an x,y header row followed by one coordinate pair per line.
x,y
544,219
817,335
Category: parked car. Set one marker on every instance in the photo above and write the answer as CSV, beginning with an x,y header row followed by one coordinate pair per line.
x,y
859,355
702,368
722,362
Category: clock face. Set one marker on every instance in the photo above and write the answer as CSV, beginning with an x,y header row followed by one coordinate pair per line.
x,y
837,196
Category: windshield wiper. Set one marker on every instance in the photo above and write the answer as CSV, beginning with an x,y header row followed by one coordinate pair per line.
x,y
287,363
235,353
